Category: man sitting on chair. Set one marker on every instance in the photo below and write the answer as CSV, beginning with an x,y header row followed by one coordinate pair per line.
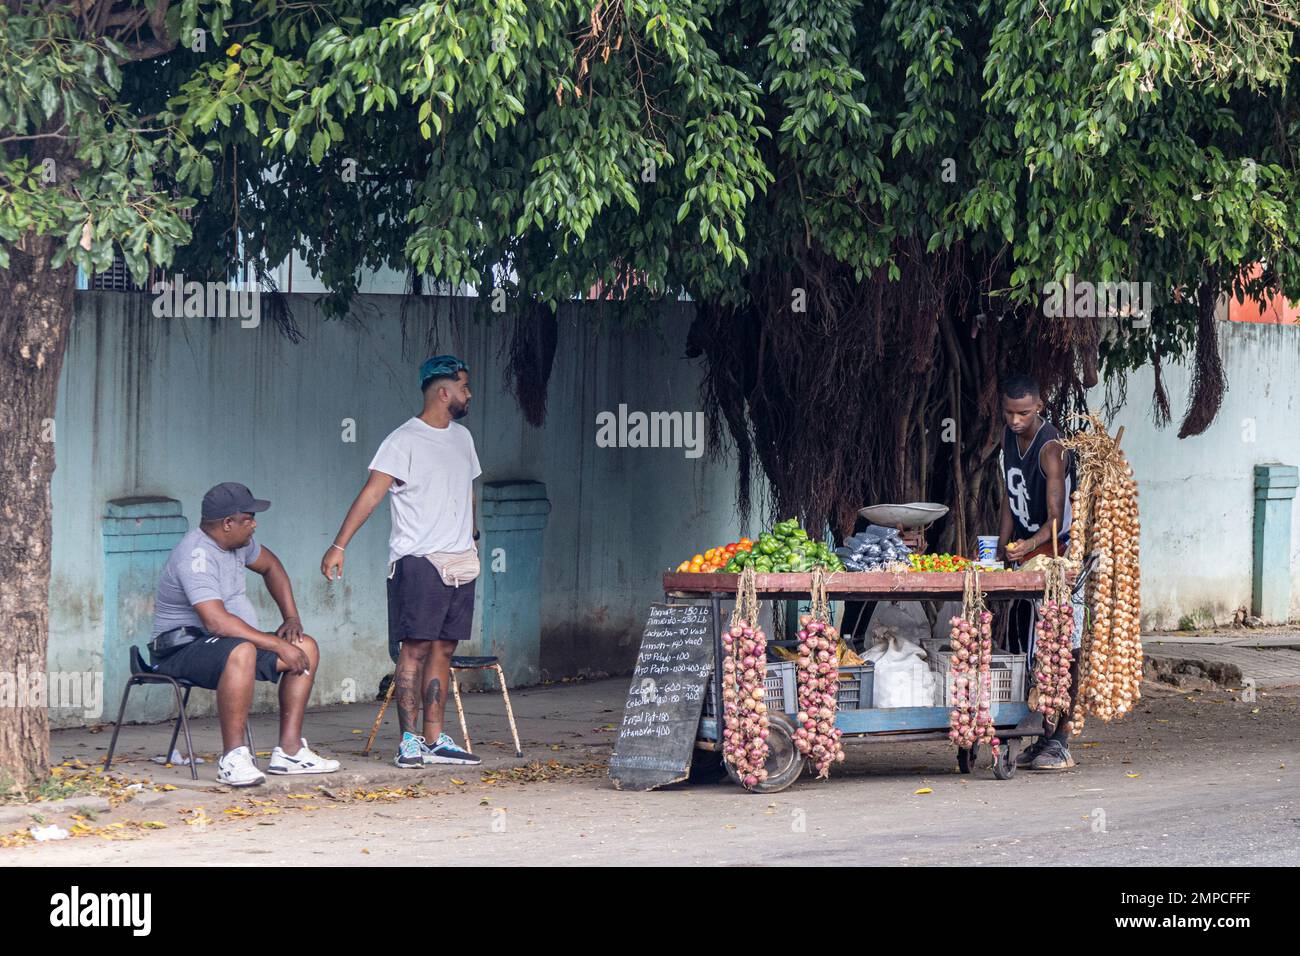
x,y
205,631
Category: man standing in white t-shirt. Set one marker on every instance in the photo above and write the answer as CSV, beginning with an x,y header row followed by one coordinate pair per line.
x,y
429,466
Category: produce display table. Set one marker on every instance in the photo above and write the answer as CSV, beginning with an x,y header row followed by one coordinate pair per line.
x,y
863,585
1013,719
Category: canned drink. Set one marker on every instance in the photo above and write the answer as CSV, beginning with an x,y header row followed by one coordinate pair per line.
x,y
988,548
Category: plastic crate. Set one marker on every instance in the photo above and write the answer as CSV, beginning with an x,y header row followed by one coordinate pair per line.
x,y
779,692
781,689
1007,673
856,687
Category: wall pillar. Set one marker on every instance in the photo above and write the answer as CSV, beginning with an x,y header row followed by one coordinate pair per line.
x,y
1275,489
138,535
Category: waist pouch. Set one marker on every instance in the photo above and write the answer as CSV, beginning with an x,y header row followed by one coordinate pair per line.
x,y
456,567
169,642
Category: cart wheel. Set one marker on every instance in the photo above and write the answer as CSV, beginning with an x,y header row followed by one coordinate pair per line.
x,y
784,762
966,758
1004,768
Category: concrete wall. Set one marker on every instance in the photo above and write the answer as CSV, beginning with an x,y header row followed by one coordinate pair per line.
x,y
1197,494
168,407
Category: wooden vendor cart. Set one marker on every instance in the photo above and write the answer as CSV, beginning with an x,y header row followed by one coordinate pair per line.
x,y
1012,718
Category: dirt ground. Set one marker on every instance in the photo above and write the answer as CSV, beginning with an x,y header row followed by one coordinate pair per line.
x,y
1195,778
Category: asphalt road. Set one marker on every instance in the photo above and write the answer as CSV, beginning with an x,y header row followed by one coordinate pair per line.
x,y
1193,779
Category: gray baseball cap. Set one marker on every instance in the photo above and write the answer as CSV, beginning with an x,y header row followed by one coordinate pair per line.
x,y
230,498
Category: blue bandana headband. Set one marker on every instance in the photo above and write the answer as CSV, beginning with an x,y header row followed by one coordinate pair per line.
x,y
441,366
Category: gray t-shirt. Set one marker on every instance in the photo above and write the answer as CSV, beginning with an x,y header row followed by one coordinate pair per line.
x,y
199,570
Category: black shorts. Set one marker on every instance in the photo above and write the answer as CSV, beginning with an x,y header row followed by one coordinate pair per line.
x,y
203,661
422,608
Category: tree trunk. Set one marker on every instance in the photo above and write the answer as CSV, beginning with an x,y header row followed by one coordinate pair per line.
x,y
36,304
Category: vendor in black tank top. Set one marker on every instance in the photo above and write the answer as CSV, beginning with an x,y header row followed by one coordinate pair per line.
x,y
1039,476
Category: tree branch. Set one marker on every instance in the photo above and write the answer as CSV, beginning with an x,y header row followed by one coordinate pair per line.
x,y
162,42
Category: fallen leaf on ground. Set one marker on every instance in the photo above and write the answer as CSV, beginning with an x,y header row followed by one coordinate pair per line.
x,y
538,772
921,791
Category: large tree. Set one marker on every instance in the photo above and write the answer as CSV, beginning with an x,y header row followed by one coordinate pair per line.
x,y
865,200
78,179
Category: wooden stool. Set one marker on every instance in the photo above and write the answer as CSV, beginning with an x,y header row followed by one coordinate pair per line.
x,y
457,664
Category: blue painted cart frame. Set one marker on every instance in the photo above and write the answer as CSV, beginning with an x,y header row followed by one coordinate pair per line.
x,y
1012,719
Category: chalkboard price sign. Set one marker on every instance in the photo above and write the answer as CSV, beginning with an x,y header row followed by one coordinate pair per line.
x,y
663,707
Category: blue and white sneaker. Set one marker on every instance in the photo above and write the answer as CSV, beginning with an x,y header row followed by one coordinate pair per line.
x,y
445,750
410,752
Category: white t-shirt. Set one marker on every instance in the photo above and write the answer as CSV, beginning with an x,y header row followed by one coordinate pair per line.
x,y
433,504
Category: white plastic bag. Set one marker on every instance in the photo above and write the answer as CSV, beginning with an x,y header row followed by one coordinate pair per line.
x,y
902,676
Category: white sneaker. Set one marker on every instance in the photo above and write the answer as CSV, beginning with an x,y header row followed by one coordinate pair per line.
x,y
304,761
236,769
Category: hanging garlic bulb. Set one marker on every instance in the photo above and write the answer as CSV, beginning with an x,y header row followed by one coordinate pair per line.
x,y
1106,523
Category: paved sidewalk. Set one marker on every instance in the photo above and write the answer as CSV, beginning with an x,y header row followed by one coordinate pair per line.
x,y
1189,778
1268,661
568,721
564,728
1234,638
574,721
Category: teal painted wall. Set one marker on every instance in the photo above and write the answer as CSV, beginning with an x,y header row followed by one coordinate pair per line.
x,y
168,407
1197,495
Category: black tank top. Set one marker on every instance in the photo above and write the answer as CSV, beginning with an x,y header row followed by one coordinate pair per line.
x,y
1027,485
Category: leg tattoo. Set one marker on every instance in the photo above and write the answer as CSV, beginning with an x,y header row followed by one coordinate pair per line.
x,y
408,701
432,696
